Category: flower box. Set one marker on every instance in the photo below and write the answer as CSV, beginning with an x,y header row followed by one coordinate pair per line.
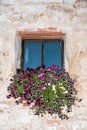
x,y
48,90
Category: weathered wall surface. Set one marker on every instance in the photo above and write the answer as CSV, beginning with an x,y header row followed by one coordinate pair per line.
x,y
68,16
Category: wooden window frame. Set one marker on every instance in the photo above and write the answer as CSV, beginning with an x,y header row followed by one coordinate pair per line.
x,y
41,35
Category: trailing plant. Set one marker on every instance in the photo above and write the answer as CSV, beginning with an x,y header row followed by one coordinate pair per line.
x,y
47,89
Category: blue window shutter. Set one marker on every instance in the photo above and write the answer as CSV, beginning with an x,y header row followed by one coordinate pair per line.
x,y
52,53
32,54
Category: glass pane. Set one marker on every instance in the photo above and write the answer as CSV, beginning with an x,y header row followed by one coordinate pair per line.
x,y
32,54
52,53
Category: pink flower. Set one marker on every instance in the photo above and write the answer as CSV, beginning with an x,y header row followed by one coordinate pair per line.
x,y
41,76
37,103
57,77
17,102
42,88
49,69
11,80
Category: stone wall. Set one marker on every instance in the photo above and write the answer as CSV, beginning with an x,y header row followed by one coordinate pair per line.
x,y
68,16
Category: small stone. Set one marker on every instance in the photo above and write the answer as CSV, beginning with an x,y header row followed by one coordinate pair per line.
x,y
0,72
54,6
42,14
1,111
1,79
62,128
51,128
4,106
25,104
5,53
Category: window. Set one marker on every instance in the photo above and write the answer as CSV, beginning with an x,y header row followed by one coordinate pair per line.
x,y
42,52
42,47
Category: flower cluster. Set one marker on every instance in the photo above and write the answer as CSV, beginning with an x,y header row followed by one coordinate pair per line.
x,y
48,89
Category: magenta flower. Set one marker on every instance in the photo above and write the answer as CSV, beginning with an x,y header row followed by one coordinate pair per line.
x,y
17,102
19,71
42,78
11,80
8,96
53,66
63,70
37,103
42,88
45,70
15,87
40,75
25,76
49,69
57,77
57,69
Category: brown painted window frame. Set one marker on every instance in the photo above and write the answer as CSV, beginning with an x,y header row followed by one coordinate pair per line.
x,y
40,36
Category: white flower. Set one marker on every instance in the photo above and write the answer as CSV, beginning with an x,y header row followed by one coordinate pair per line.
x,y
64,109
48,84
66,91
60,83
53,87
63,88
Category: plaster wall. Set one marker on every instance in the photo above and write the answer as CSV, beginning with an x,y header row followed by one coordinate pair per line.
x,y
68,16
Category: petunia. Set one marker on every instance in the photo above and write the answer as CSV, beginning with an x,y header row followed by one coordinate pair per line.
x,y
42,88
11,80
57,69
37,103
49,69
17,102
19,71
57,77
40,75
8,96
42,78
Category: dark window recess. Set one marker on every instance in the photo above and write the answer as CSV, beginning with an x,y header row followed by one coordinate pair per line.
x,y
42,52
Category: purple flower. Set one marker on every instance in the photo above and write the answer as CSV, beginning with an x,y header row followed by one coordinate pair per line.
x,y
38,68
53,66
19,71
12,94
20,95
57,69
8,96
45,70
74,80
63,70
17,102
15,87
25,76
31,70
28,102
42,78
50,81
28,69
57,77
49,69
37,103
19,79
42,88
43,66
40,75
11,80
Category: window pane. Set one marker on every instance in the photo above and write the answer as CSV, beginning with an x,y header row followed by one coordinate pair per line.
x,y
52,53
32,54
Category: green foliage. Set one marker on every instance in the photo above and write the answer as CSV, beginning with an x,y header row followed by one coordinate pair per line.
x,y
48,89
